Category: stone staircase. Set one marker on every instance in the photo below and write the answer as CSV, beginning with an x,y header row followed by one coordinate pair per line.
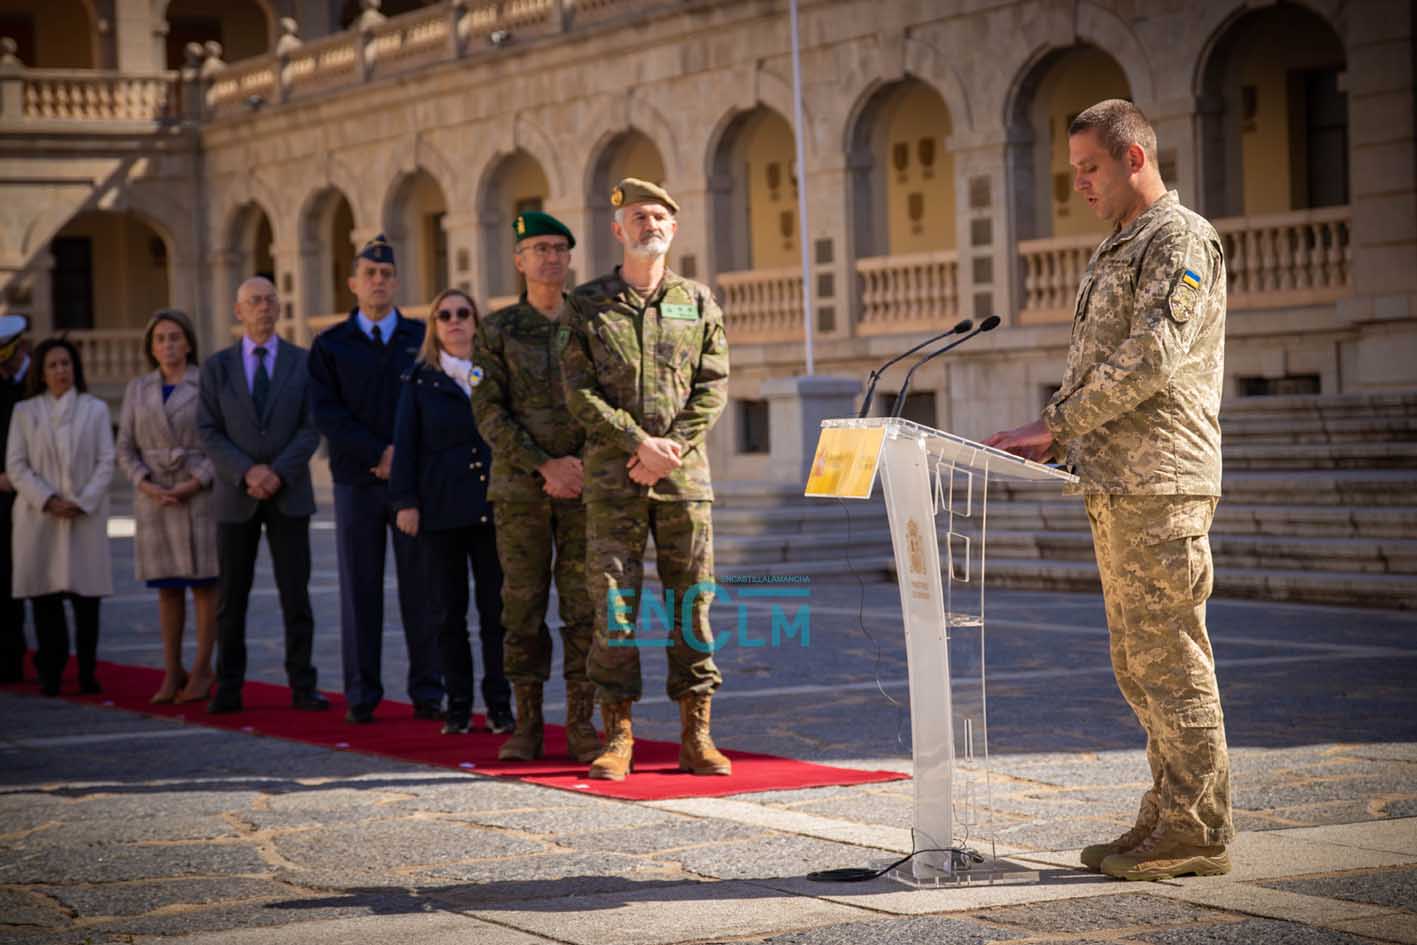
x,y
1320,506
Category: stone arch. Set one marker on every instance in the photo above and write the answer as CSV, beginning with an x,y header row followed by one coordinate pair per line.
x,y
730,196
874,140
412,219
327,224
633,110
932,66
511,182
1303,140
530,137
625,153
1055,81
117,288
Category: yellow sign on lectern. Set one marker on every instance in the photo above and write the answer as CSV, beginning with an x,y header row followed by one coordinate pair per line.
x,y
846,461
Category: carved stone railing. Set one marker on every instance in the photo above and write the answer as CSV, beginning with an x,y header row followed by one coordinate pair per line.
x,y
1280,260
907,292
375,47
88,96
110,356
1287,259
762,305
409,41
1052,269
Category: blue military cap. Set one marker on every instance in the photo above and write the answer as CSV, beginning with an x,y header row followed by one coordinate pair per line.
x,y
377,250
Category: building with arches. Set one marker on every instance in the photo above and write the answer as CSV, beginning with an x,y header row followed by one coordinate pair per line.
x,y
159,151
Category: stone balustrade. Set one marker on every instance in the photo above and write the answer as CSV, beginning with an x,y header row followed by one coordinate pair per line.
x,y
1287,259
110,357
762,305
455,29
87,96
1052,269
909,292
1273,261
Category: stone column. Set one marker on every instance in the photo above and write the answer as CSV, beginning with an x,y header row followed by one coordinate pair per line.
x,y
139,38
464,243
796,408
215,330
831,267
986,234
1383,198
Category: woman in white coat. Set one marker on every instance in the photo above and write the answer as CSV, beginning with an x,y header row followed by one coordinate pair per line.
x,y
60,459
175,536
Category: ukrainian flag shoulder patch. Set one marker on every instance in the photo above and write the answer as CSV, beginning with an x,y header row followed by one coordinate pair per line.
x,y
1190,278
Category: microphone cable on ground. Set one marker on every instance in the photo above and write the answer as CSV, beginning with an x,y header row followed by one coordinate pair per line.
x,y
861,625
963,857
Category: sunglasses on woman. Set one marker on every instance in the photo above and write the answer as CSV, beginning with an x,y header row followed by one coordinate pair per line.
x,y
447,315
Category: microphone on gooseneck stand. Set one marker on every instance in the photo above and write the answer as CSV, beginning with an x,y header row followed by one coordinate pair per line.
x,y
989,324
875,378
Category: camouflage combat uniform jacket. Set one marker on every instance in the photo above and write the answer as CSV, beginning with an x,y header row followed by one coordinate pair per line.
x,y
520,402
1139,409
636,368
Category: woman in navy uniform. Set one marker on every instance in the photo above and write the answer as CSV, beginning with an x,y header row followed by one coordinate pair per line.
x,y
439,488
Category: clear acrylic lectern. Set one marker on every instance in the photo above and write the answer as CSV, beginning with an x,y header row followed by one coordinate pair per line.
x,y
936,484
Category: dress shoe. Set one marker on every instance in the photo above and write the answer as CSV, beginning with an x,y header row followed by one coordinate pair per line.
x,y
224,703
90,686
500,719
429,711
50,687
309,701
359,714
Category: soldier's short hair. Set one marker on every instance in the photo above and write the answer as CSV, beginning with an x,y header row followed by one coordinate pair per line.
x,y
1119,125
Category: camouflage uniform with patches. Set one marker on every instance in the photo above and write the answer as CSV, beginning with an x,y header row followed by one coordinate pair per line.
x,y
1137,417
520,406
636,368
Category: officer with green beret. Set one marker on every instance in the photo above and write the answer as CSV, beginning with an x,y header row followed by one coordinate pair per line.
x,y
646,367
520,406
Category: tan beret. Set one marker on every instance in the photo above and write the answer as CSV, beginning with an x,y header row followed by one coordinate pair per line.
x,y
633,190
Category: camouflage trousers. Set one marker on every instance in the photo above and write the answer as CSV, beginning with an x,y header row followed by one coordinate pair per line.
x,y
528,533
1153,553
615,547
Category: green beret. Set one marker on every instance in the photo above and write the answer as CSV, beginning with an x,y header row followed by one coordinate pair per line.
x,y
377,250
535,223
633,190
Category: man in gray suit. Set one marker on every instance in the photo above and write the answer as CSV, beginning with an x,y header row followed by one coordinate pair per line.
x,y
256,426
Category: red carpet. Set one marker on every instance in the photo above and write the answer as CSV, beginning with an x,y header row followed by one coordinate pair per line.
x,y
396,734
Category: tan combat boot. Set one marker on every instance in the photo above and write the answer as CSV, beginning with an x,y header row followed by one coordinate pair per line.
x,y
1093,856
582,743
697,753
1163,855
525,743
617,759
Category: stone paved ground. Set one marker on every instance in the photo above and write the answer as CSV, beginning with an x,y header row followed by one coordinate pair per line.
x,y
119,828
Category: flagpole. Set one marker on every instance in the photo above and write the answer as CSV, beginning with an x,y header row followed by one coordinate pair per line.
x,y
803,230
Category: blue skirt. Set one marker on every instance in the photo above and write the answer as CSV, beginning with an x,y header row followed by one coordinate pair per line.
x,y
182,582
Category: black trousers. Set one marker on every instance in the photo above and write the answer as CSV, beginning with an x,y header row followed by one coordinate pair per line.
x,y
446,555
237,544
51,630
12,609
364,525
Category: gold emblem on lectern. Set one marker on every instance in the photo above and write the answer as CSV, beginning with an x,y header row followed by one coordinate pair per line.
x,y
915,547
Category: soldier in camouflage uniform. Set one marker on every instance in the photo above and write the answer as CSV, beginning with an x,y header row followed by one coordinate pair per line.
x,y
520,405
1137,417
646,370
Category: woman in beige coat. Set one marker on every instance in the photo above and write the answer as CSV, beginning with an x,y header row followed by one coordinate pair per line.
x,y
175,537
59,457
